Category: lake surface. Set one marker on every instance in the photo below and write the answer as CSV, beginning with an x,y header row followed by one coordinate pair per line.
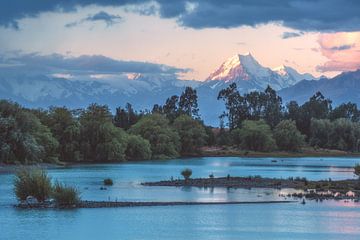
x,y
327,220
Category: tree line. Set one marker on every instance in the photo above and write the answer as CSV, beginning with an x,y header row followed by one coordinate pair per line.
x,y
257,121
260,121
95,135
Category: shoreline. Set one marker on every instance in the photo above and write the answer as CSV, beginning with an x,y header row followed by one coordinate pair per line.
x,y
322,189
12,167
109,204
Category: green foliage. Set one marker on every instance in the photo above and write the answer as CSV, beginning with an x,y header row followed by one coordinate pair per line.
x,y
108,182
137,148
32,182
186,173
224,137
211,139
320,131
66,129
318,107
192,134
65,195
125,118
348,111
255,105
163,139
254,135
287,136
23,138
171,108
100,139
188,103
341,134
357,170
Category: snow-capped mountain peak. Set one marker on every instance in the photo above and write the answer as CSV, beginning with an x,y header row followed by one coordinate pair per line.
x,y
291,75
238,67
242,68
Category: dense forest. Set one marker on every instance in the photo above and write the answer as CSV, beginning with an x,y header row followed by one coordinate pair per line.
x,y
256,121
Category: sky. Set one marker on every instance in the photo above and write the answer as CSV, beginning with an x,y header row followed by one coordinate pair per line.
x,y
189,39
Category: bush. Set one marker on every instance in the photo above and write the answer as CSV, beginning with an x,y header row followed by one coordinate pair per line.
x,y
192,134
32,182
186,173
287,136
65,195
164,141
108,182
255,136
137,148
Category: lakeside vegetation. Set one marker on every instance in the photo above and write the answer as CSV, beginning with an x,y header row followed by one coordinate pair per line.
x,y
33,186
256,123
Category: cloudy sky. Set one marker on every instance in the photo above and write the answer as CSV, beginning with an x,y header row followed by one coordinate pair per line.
x,y
186,38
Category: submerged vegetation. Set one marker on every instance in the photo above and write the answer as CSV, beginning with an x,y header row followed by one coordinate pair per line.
x,y
256,121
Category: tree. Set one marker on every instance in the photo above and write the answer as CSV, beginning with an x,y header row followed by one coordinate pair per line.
x,y
188,103
163,139
100,139
345,135
341,134
137,148
186,173
273,107
125,118
255,135
317,107
23,138
170,108
192,134
235,105
346,110
288,137
66,129
320,131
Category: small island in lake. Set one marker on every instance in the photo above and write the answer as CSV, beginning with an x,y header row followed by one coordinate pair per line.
x,y
322,189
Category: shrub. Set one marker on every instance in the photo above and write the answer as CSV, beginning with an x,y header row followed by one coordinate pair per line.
x,y
164,141
287,136
192,134
32,182
186,173
255,136
108,182
65,195
137,148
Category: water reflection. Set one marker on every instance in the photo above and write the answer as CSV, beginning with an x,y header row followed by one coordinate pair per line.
x,y
326,220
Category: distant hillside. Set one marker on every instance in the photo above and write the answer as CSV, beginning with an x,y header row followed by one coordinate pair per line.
x,y
340,89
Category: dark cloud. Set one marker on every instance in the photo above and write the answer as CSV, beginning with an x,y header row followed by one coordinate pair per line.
x,y
287,35
101,16
342,47
86,64
304,15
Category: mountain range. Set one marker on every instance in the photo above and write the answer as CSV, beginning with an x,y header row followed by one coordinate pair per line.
x,y
36,89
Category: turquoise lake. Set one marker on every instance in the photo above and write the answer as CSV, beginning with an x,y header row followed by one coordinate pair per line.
x,y
314,220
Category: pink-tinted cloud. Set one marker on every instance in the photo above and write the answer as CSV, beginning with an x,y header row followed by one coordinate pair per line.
x,y
342,49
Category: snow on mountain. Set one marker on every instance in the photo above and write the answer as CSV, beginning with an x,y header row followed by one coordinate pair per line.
x,y
291,76
143,90
245,68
